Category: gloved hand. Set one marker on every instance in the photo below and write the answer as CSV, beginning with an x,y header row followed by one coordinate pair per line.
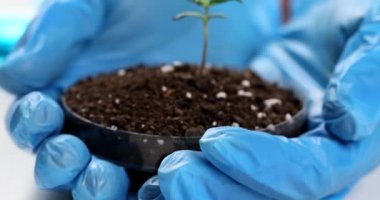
x,y
334,48
72,39
63,161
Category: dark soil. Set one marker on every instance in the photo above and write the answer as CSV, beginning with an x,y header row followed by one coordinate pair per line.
x,y
179,101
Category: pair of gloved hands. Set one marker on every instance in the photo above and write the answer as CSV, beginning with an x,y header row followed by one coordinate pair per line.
x,y
332,49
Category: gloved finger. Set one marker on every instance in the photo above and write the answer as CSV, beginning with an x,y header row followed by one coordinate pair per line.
x,y
310,167
59,161
51,42
33,118
351,109
188,175
101,180
151,190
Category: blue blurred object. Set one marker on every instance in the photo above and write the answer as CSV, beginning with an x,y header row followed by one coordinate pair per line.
x,y
14,19
11,30
334,48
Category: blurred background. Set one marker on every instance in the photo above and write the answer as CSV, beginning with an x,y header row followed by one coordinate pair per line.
x,y
14,18
16,166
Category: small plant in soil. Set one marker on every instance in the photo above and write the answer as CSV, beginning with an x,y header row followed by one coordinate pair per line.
x,y
136,116
205,17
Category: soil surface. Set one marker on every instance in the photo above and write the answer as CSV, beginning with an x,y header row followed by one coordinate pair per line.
x,y
178,100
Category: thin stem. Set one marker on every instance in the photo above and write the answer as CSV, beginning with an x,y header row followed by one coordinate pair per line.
x,y
205,38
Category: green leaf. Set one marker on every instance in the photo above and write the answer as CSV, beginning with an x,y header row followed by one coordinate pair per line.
x,y
188,14
215,2
208,3
204,3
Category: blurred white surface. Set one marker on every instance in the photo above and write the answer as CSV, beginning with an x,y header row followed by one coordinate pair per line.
x,y
16,170
24,8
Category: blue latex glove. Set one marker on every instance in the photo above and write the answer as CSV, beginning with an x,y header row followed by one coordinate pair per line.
x,y
72,39
63,161
334,48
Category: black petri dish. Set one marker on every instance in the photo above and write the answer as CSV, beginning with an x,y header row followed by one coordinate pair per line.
x,y
144,152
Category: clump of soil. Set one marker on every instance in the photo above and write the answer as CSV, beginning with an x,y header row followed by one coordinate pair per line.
x,y
178,101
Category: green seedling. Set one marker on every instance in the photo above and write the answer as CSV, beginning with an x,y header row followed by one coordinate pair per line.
x,y
205,17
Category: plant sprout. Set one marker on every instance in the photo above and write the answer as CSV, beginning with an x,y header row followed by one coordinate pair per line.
x,y
206,16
